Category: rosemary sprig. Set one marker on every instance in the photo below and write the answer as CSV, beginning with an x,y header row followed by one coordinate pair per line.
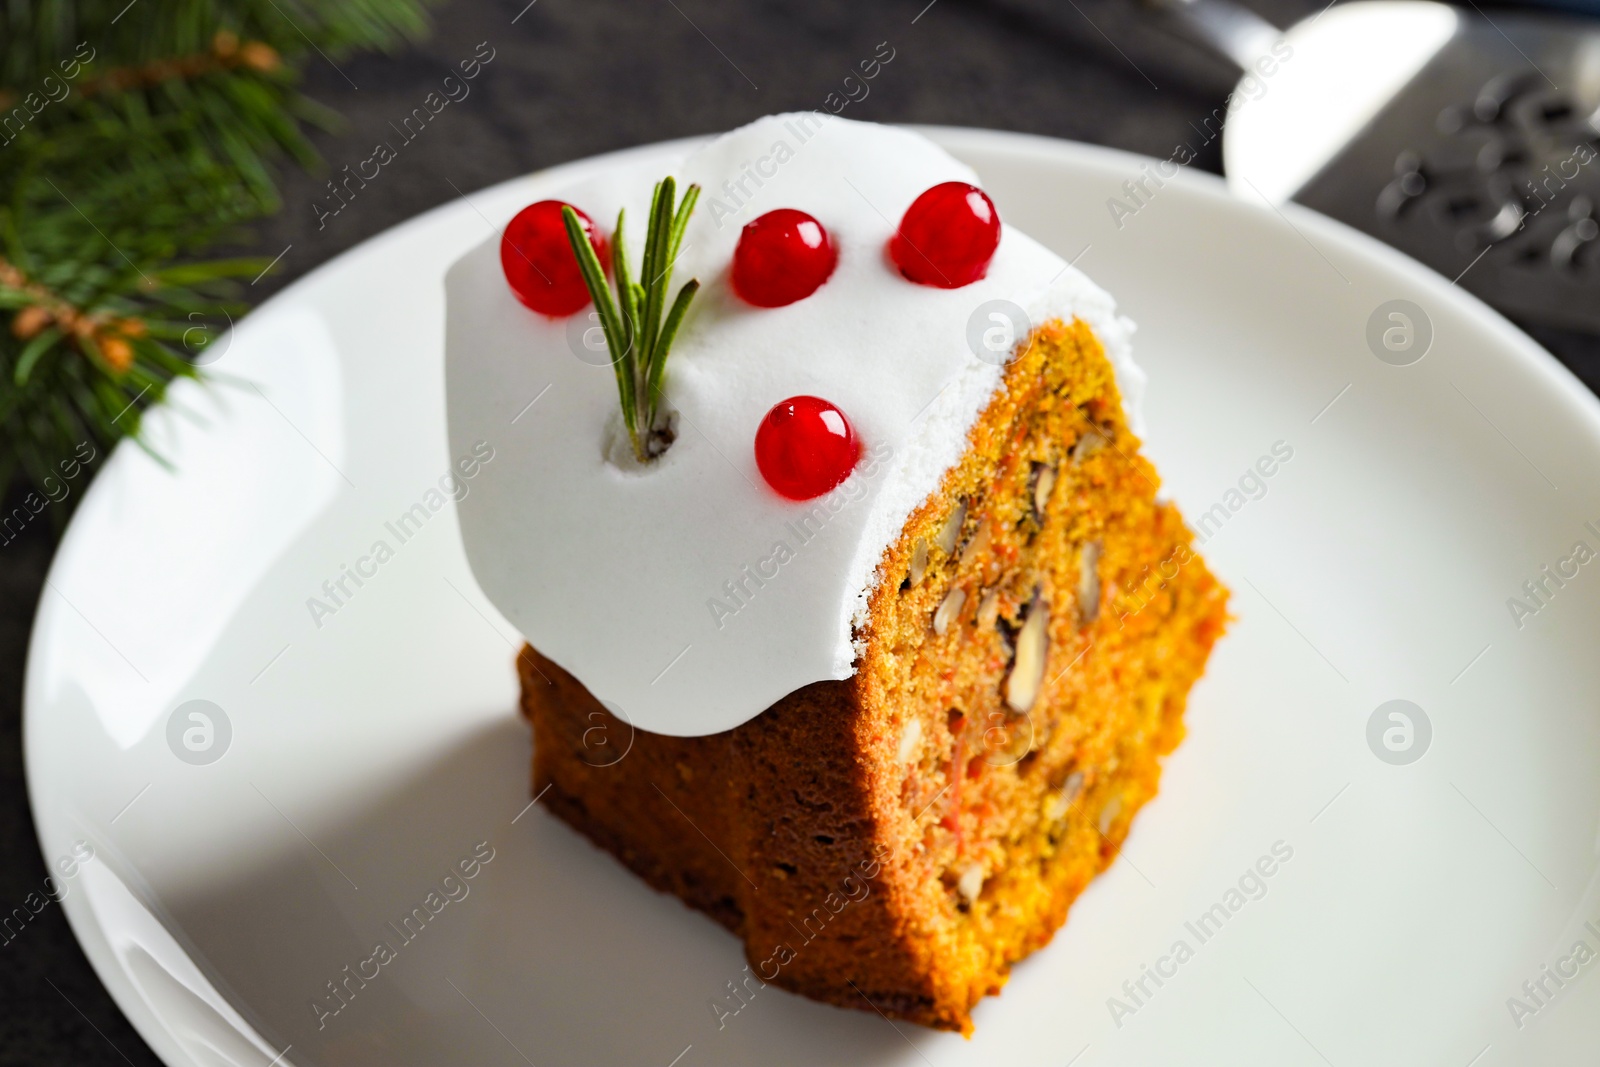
x,y
636,333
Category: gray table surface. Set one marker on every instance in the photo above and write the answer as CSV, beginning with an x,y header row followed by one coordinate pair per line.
x,y
571,79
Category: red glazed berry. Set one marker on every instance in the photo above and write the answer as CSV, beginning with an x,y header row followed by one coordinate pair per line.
x,y
538,261
805,446
948,236
783,256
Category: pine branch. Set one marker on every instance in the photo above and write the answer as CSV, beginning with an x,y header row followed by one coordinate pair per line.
x,y
225,53
42,318
636,335
35,36
132,139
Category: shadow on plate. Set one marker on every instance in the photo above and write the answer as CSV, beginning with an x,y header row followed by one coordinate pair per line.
x,y
444,922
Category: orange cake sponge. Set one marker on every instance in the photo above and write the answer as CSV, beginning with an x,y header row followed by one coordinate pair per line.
x,y
895,841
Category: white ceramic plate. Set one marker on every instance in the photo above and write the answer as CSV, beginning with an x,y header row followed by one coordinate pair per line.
x,y
373,750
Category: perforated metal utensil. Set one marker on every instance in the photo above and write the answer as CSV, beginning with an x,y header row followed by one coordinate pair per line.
x,y
1470,141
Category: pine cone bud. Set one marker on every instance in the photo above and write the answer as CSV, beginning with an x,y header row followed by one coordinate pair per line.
x,y
30,321
259,56
118,353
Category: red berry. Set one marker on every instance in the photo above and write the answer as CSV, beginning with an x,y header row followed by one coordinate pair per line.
x,y
783,256
538,261
948,236
805,446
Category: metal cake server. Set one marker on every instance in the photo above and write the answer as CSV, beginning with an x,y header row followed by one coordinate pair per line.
x,y
1469,141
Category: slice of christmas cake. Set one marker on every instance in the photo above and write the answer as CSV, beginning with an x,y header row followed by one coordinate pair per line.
x,y
858,626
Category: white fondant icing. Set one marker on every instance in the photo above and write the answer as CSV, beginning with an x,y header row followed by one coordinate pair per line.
x,y
688,594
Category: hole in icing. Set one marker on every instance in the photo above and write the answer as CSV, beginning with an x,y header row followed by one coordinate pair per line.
x,y
618,449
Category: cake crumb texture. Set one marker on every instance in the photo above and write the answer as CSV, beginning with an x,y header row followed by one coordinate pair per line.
x,y
897,840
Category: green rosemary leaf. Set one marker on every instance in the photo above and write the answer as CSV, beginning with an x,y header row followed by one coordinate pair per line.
x,y
691,196
646,271
657,267
647,267
619,336
594,279
669,330
619,268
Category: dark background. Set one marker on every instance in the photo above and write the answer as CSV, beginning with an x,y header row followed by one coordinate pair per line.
x,y
571,78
